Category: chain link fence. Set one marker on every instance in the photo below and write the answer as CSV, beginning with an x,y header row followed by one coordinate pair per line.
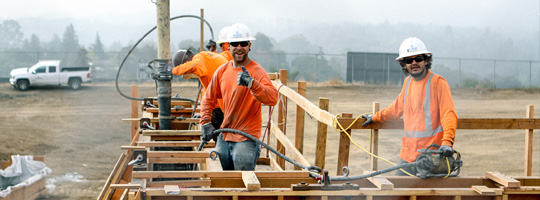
x,y
316,68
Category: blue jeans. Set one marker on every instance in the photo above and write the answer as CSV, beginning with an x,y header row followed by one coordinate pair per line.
x,y
237,155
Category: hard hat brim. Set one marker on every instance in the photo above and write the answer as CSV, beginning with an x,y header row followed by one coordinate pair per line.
x,y
413,54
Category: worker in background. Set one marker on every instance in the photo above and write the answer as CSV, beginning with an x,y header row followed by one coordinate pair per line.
x,y
211,46
224,46
425,102
244,86
203,64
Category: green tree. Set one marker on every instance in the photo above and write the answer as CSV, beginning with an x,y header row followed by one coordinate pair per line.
x,y
97,50
11,36
262,44
70,46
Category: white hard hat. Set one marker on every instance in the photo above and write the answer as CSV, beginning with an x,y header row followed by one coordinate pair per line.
x,y
239,32
223,34
412,46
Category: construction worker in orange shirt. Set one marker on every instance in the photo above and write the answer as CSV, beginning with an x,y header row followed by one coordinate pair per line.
x,y
425,102
203,64
224,46
244,86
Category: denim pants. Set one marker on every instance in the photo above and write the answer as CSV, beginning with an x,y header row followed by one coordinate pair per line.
x,y
411,169
237,155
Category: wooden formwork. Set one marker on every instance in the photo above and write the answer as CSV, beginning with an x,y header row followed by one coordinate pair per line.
x,y
271,181
28,190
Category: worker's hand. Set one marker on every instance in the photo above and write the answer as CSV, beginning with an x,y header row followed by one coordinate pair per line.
x,y
244,78
206,132
368,118
447,151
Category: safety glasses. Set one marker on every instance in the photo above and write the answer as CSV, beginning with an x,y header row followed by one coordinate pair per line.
x,y
417,59
243,44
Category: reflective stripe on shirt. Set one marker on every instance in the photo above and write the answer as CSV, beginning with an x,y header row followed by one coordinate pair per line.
x,y
427,113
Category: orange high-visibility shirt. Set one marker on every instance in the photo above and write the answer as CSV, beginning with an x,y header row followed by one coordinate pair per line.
x,y
426,120
241,105
203,64
227,55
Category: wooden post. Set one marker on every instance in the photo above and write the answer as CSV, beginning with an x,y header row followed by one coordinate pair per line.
x,y
202,30
529,143
134,110
300,117
282,117
344,147
374,145
320,152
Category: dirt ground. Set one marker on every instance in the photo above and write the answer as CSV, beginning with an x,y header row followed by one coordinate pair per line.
x,y
80,132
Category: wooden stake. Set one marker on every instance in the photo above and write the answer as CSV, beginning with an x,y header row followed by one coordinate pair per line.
x,y
134,110
300,117
374,146
344,147
320,152
529,144
282,117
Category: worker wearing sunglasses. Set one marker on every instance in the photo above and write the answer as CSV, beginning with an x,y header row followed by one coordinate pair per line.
x,y
244,86
425,103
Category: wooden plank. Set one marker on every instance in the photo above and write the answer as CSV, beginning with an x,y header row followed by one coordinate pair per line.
x,y
320,152
171,189
111,176
217,174
296,155
132,147
463,123
182,183
125,186
250,181
344,147
483,190
156,120
171,132
380,181
282,118
177,154
210,144
503,179
300,121
213,165
321,115
527,171
374,144
273,76
176,160
134,110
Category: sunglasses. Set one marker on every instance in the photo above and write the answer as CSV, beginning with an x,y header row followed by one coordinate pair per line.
x,y
417,59
243,44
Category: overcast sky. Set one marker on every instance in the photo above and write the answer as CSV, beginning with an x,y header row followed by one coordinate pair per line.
x,y
506,16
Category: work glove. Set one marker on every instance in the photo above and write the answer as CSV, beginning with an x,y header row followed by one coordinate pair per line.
x,y
244,78
447,151
368,118
206,132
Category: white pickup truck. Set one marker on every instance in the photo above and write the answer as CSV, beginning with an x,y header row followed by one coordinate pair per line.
x,y
49,72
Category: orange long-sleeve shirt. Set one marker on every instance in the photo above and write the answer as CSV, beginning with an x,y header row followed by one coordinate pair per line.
x,y
227,55
410,104
203,64
241,105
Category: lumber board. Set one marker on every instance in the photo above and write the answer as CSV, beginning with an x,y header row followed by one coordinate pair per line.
x,y
300,121
483,190
173,111
176,154
250,180
171,132
503,179
322,132
380,181
218,174
176,160
463,123
273,76
296,155
182,183
171,189
314,111
211,144
344,147
109,180
126,186
213,165
156,120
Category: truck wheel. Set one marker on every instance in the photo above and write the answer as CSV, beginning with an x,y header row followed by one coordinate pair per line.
x,y
23,85
75,84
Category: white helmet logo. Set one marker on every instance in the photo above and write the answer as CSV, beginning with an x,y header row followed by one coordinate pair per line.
x,y
412,49
237,35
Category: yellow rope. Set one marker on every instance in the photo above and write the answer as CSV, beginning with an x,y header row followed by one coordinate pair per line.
x,y
350,138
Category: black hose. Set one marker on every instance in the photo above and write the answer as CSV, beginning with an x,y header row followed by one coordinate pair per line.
x,y
140,40
343,178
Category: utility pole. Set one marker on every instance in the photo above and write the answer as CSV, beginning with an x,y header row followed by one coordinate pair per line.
x,y
164,54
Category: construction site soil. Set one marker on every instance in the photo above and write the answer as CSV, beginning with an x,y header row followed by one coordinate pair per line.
x,y
80,132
